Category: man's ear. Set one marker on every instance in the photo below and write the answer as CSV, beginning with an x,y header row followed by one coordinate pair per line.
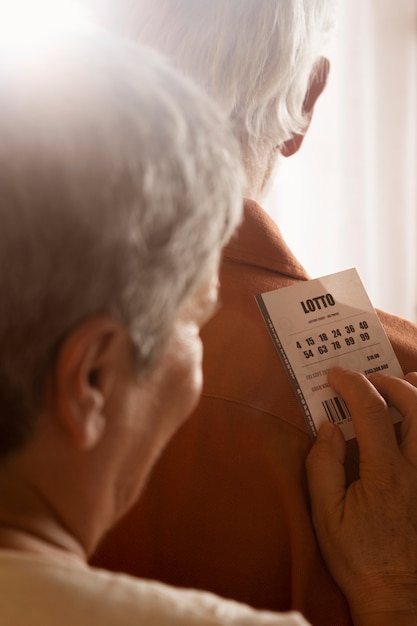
x,y
83,376
317,83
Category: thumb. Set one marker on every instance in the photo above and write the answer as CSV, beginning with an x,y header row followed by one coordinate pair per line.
x,y
326,474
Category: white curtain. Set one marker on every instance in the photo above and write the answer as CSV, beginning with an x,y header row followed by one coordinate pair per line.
x,y
349,197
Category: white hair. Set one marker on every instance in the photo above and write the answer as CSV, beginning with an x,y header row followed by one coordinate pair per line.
x,y
254,57
119,184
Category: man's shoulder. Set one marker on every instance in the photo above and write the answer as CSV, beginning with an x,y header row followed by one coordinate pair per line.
x,y
402,334
258,242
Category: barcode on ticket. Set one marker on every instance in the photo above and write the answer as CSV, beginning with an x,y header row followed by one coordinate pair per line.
x,y
337,410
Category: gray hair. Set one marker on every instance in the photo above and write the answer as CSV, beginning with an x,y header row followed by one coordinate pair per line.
x,y
119,184
254,57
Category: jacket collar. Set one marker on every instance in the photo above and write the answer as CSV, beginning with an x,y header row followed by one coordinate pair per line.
x,y
258,242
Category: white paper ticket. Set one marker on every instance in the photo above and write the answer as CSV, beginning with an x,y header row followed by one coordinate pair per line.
x,y
318,324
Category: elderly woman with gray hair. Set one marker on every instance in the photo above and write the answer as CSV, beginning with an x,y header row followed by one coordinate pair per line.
x,y
227,507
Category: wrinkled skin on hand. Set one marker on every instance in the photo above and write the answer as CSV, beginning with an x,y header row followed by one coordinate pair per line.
x,y
368,531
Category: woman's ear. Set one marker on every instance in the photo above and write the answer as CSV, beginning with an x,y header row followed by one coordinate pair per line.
x,y
83,377
316,85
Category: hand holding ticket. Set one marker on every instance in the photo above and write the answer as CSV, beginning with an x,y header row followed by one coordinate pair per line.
x,y
367,532
322,323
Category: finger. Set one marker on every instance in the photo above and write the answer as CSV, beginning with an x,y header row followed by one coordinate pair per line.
x,y
398,392
370,414
326,474
411,377
402,394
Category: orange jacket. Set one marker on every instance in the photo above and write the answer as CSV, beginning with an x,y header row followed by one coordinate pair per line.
x,y
227,507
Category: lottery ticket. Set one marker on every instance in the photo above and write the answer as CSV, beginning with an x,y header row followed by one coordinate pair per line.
x,y
318,324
